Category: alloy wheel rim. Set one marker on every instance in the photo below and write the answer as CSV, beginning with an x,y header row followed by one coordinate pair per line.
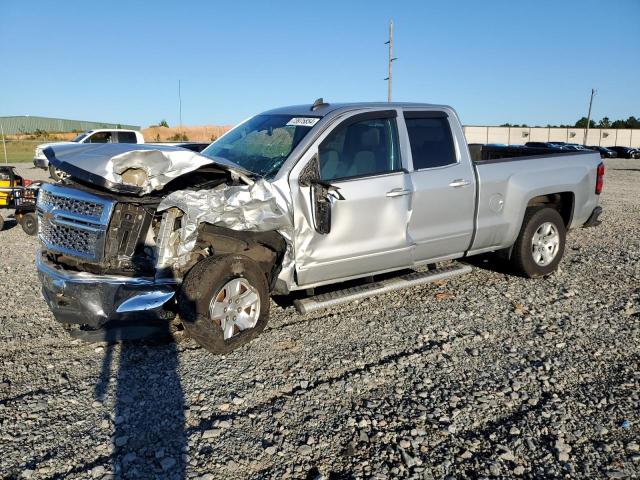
x,y
545,244
235,307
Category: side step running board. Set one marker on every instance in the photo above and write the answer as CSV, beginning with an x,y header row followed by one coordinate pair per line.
x,y
339,297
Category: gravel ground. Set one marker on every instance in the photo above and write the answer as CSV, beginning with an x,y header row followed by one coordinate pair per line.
x,y
485,375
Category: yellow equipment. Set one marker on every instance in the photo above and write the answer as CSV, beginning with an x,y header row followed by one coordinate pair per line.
x,y
20,195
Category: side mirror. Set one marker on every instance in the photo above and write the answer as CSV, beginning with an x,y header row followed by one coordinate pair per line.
x,y
321,193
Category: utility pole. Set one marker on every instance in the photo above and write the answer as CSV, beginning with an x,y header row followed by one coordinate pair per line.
x,y
586,132
4,145
389,79
180,105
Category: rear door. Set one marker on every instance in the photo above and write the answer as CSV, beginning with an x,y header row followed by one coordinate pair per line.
x,y
443,198
361,157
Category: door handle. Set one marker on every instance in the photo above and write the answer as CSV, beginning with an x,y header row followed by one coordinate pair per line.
x,y
459,182
398,192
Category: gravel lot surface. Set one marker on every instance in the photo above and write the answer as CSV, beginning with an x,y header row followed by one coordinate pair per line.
x,y
486,375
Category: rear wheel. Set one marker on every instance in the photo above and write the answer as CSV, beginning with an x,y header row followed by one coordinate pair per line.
x,y
57,175
29,223
224,302
1,223
540,244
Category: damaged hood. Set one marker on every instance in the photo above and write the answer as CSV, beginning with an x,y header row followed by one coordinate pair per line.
x,y
145,168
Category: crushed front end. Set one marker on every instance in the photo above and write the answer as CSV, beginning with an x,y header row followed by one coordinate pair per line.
x,y
121,232
96,262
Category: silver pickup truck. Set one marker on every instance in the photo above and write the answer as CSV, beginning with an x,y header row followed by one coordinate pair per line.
x,y
294,199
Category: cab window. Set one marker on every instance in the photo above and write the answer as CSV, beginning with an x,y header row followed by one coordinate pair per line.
x,y
127,137
431,140
360,148
100,137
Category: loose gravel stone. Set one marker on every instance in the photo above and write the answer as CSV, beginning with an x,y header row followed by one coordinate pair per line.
x,y
486,375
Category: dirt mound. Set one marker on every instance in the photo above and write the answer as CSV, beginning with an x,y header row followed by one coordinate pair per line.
x,y
204,133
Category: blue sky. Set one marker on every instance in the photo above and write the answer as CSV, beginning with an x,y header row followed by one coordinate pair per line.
x,y
494,61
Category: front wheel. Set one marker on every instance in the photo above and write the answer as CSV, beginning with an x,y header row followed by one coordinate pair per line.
x,y
224,302
540,244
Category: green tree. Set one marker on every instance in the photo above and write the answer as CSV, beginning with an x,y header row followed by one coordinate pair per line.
x,y
163,123
633,122
604,123
619,124
582,123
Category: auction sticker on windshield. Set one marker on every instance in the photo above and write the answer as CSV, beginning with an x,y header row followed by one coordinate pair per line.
x,y
303,121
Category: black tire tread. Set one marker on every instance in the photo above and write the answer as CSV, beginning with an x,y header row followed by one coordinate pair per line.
x,y
29,230
521,259
207,276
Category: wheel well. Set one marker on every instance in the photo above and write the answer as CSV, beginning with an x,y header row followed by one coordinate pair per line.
x,y
267,249
562,202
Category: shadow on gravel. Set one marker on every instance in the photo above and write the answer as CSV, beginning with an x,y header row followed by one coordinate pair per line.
x,y
492,262
149,438
9,223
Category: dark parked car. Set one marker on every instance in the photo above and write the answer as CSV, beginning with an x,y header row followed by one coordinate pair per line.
x,y
576,146
544,145
604,151
626,152
193,146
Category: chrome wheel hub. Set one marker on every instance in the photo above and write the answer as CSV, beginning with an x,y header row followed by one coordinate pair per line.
x,y
545,244
235,307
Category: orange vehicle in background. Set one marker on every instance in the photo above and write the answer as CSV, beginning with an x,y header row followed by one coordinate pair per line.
x,y
19,194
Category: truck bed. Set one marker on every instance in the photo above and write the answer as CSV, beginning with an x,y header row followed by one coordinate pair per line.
x,y
507,185
484,153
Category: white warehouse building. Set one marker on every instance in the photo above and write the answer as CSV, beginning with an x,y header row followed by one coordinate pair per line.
x,y
605,137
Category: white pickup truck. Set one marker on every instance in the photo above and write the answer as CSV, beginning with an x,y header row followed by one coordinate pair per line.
x,y
292,199
102,135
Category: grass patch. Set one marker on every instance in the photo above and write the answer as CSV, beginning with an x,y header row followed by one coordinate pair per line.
x,y
18,151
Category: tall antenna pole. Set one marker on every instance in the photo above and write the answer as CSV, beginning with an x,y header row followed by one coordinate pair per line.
x,y
180,105
4,145
586,132
389,79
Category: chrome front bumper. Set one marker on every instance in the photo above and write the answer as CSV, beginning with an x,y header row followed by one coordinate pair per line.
x,y
41,162
93,300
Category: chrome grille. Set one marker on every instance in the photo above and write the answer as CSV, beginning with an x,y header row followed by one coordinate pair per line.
x,y
73,222
83,207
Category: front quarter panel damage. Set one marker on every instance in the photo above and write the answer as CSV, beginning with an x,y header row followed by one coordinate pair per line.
x,y
259,207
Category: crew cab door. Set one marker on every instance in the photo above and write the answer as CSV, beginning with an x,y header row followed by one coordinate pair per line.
x,y
368,201
443,180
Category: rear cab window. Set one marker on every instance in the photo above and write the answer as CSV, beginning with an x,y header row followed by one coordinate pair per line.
x,y
127,137
431,139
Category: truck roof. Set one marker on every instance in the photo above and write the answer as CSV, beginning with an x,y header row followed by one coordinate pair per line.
x,y
94,130
327,108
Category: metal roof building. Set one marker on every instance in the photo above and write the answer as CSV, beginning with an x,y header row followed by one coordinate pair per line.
x,y
29,124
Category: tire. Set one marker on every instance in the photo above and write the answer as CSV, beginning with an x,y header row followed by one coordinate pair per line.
x,y
202,289
1,223
55,174
542,258
29,223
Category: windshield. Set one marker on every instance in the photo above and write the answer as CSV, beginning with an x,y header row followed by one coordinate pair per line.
x,y
80,137
262,144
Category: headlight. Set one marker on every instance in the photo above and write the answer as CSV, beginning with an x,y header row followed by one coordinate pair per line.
x,y
39,152
134,176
